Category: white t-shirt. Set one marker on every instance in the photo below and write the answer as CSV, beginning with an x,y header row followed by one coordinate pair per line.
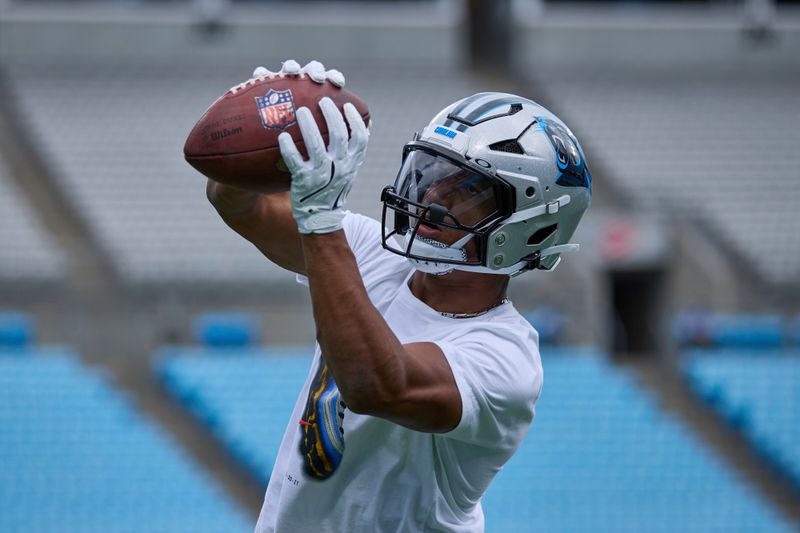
x,y
378,476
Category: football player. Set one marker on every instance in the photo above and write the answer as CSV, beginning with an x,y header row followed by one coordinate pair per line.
x,y
425,376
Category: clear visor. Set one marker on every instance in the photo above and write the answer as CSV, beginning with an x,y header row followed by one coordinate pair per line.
x,y
442,192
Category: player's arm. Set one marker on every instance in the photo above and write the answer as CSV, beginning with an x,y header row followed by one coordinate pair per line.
x,y
411,384
263,219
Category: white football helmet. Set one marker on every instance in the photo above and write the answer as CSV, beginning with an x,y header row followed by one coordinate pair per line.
x,y
502,169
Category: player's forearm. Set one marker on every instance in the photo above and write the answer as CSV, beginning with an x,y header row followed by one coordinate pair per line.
x,y
230,203
362,352
263,219
236,208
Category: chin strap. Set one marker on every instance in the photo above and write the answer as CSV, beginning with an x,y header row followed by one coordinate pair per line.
x,y
455,252
423,247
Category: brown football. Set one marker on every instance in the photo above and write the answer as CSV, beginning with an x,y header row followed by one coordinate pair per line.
x,y
235,142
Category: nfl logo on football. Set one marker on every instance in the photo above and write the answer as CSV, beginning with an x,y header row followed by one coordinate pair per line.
x,y
276,109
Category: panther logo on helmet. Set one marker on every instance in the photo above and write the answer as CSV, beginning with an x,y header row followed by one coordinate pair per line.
x,y
570,160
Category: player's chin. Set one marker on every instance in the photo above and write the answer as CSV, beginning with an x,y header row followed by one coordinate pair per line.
x,y
444,235
451,236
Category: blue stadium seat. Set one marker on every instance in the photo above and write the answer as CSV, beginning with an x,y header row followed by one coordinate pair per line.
x,y
602,457
549,323
723,330
76,456
244,398
795,332
749,330
17,330
756,392
226,330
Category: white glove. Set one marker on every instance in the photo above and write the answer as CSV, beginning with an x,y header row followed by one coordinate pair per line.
x,y
314,70
320,185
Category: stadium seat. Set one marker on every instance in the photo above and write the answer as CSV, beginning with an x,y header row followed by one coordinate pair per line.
x,y
77,457
243,396
758,393
226,330
795,331
692,328
601,456
699,328
749,330
27,252
17,330
549,324
674,149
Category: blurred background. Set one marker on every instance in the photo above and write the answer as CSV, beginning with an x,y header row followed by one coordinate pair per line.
x,y
149,357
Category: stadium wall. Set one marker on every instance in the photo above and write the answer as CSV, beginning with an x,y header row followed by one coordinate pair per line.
x,y
654,37
163,35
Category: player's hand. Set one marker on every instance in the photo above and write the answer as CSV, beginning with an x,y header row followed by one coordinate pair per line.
x,y
233,203
320,185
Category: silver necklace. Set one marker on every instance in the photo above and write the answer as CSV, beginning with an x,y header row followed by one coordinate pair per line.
x,y
478,313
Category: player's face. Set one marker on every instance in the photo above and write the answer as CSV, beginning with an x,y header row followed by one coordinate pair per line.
x,y
468,198
449,193
458,198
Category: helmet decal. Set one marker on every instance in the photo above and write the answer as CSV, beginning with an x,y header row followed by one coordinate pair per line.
x,y
476,116
570,160
461,105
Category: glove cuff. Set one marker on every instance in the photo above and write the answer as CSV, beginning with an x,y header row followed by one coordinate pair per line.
x,y
321,222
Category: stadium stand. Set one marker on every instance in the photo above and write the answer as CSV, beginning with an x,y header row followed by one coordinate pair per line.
x,y
122,170
27,252
606,458
226,330
795,330
17,330
146,205
741,330
597,458
78,457
758,393
244,396
675,143
548,322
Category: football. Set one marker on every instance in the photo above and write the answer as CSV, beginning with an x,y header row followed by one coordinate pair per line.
x,y
235,142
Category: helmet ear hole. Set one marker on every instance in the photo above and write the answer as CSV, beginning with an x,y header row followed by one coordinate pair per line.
x,y
542,234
